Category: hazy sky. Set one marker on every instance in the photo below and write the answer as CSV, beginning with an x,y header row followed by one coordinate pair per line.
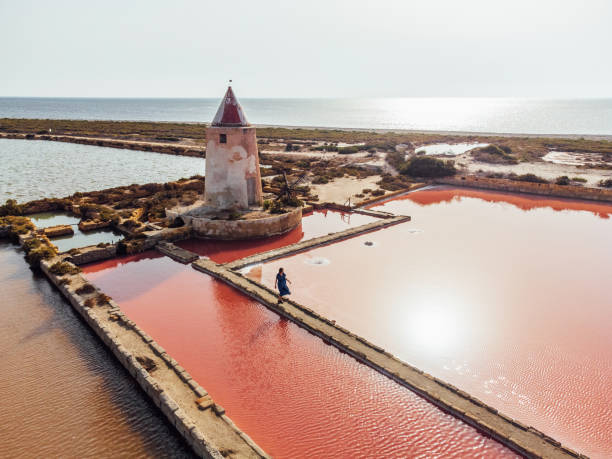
x,y
312,48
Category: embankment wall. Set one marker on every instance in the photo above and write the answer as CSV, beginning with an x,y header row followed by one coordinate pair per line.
x,y
177,150
546,189
241,229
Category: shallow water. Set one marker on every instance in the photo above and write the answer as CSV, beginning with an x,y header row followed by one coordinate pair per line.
x,y
293,394
503,295
36,169
314,224
449,149
79,238
62,394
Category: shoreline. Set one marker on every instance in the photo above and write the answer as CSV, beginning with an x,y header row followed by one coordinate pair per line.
x,y
606,137
572,136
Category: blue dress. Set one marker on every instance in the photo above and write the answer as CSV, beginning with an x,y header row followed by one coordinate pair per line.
x,y
281,282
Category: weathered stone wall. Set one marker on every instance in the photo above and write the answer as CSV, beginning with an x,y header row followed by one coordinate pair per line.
x,y
242,229
176,253
90,225
58,230
317,241
230,166
157,147
93,253
546,189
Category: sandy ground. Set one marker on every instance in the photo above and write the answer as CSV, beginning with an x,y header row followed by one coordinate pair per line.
x,y
341,189
543,169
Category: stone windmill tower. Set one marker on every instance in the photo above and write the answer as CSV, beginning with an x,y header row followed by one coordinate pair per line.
x,y
233,180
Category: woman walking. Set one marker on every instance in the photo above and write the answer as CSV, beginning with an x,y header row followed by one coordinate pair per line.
x,y
281,284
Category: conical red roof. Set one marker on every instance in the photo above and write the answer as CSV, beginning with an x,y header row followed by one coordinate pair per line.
x,y
230,112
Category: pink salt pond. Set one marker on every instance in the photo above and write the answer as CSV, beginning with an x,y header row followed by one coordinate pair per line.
x,y
315,224
506,296
293,394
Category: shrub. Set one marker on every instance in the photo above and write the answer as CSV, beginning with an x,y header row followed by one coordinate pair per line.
x,y
292,202
563,180
62,268
18,225
579,179
607,183
348,150
10,208
497,175
428,167
529,178
31,244
320,180
494,154
85,289
44,252
393,183
102,298
276,207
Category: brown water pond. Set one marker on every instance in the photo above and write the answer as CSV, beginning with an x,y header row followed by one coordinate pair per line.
x,y
292,393
61,393
506,296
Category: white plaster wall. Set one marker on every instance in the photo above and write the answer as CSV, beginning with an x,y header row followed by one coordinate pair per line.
x,y
229,165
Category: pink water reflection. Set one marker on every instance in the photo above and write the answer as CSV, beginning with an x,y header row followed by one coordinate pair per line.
x,y
293,394
506,296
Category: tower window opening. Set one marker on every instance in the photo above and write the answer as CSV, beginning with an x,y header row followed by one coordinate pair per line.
x,y
222,138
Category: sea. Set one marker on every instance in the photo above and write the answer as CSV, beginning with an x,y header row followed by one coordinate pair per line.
x,y
488,115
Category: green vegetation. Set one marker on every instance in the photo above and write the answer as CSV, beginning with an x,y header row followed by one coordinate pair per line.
x,y
38,251
607,183
579,179
275,207
527,178
10,208
17,225
494,154
393,183
62,268
562,180
428,167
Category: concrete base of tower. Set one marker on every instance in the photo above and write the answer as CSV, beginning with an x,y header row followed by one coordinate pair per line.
x,y
208,223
